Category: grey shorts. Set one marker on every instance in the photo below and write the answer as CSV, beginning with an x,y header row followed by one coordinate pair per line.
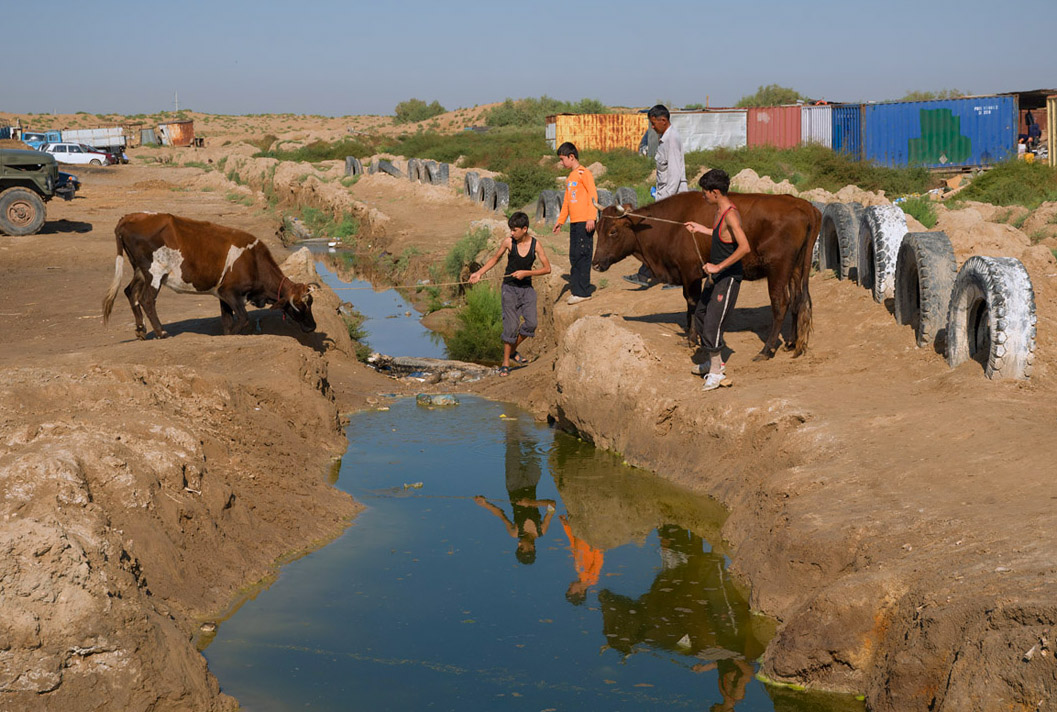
x,y
519,312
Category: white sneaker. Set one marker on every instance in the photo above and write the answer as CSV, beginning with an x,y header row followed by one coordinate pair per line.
x,y
716,380
576,300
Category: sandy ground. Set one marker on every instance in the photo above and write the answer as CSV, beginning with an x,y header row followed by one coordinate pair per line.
x,y
896,516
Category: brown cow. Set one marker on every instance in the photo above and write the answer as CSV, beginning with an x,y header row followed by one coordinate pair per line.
x,y
781,231
196,257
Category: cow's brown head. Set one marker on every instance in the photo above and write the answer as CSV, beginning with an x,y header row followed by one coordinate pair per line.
x,y
614,237
296,303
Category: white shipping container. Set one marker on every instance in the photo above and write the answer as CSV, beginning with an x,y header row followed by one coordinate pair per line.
x,y
816,125
705,130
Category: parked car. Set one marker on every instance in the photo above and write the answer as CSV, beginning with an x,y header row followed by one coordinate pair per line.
x,y
77,153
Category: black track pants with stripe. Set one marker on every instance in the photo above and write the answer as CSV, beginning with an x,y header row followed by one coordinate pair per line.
x,y
715,305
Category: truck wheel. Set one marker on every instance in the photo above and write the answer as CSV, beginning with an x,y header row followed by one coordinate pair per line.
x,y
924,279
992,317
840,239
21,212
95,162
627,196
881,233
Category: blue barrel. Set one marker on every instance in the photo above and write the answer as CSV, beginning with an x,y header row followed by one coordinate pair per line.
x,y
847,130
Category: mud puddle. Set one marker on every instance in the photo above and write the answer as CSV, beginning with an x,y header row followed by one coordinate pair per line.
x,y
440,596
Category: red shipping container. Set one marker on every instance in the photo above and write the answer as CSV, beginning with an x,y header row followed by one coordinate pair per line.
x,y
774,126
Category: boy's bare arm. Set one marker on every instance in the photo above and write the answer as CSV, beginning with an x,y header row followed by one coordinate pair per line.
x,y
545,264
503,247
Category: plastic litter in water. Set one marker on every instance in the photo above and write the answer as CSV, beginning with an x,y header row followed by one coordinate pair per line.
x,y
441,399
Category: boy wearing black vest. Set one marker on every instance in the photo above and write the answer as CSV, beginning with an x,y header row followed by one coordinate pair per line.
x,y
518,296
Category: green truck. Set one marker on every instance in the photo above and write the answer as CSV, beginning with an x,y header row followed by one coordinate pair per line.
x,y
29,179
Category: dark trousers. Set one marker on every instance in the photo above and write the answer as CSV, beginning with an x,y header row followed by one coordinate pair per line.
x,y
581,248
715,305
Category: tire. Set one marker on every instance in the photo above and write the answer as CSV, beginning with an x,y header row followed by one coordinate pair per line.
x,y
22,212
372,168
427,171
487,193
606,198
816,250
881,232
471,183
387,167
992,317
627,196
924,278
840,238
95,162
413,169
548,206
353,167
438,173
502,196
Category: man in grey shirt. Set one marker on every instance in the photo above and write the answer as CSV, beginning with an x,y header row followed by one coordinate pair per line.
x,y
671,171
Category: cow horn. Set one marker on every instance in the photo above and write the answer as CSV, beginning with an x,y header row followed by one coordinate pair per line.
x,y
620,208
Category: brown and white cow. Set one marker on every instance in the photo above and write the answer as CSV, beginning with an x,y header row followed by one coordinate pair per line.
x,y
197,257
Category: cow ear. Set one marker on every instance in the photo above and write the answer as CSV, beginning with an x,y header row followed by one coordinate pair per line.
x,y
314,287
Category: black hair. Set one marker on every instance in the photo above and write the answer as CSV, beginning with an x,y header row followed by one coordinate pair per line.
x,y
659,112
518,219
568,149
715,179
525,556
576,598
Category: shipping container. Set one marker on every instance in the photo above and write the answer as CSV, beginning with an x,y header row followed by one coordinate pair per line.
x,y
847,130
177,133
816,125
773,126
946,133
601,132
1051,128
711,128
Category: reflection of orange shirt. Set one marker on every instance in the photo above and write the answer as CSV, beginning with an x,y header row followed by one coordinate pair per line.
x,y
579,192
588,561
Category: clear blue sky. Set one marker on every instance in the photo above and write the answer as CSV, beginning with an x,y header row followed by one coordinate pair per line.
x,y
331,57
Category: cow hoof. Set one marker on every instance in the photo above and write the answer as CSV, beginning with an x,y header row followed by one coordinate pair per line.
x,y
789,346
141,334
162,334
763,356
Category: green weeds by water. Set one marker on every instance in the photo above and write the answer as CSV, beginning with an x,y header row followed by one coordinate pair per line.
x,y
464,251
480,331
323,224
354,324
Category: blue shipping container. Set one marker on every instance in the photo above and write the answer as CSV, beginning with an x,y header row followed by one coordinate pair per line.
x,y
847,130
946,133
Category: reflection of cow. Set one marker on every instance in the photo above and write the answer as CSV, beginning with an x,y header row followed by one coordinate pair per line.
x,y
692,608
781,231
195,257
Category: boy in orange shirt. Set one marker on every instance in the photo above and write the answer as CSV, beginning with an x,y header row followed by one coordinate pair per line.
x,y
579,206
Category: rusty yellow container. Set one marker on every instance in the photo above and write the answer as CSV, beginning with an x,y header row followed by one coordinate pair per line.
x,y
1051,128
181,133
600,132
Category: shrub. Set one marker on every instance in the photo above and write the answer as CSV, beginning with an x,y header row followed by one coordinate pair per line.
x,y
464,251
623,166
533,112
1013,183
526,180
414,110
478,336
772,95
322,151
354,324
922,209
933,95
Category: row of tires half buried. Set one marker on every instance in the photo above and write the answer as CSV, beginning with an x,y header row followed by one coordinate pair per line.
x,y
491,193
984,312
429,172
549,203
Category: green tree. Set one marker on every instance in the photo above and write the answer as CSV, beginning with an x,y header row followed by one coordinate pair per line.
x,y
414,110
772,95
933,95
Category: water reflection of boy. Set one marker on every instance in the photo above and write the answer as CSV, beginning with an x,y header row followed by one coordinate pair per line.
x,y
588,563
523,473
734,676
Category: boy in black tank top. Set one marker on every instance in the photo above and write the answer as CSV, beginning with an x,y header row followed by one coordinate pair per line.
x,y
729,246
518,296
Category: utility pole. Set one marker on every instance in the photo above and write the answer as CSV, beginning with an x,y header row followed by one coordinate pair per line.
x,y
176,100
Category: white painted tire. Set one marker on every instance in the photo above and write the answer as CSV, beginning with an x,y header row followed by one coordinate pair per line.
x,y
818,238
438,173
414,167
881,232
992,317
471,184
627,196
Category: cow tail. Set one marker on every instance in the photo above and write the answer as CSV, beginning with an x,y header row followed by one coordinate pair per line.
x,y
119,266
801,300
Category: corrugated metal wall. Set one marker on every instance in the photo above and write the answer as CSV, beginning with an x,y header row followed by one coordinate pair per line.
x,y
1051,128
816,125
181,133
847,129
603,132
944,133
773,126
705,130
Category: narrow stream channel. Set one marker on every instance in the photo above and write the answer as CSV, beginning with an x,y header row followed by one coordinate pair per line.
x,y
501,564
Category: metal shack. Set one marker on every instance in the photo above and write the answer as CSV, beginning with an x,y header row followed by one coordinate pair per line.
x,y
711,128
847,129
177,133
945,133
601,132
774,126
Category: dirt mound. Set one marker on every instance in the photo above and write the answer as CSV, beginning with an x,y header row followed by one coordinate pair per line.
x,y
14,143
